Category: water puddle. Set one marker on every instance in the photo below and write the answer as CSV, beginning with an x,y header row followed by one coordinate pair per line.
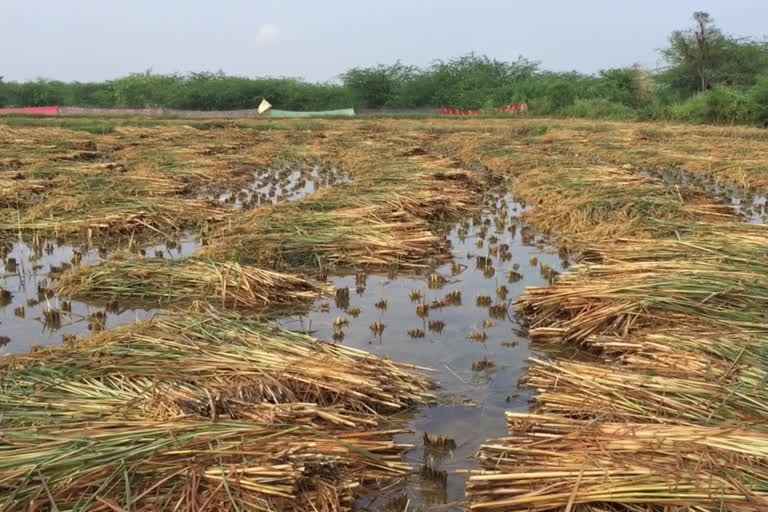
x,y
289,181
457,320
31,314
751,206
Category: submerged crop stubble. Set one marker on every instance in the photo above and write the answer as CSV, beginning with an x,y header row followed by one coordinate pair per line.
x,y
666,301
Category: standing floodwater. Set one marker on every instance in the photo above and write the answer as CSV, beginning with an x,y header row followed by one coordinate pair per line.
x,y
457,319
32,314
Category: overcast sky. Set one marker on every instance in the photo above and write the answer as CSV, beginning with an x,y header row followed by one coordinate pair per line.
x,y
101,39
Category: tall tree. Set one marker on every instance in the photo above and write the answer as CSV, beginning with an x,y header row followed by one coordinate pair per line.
x,y
696,51
702,57
375,87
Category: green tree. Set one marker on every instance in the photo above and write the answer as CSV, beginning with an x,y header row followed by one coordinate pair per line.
x,y
375,87
698,51
745,62
702,57
472,81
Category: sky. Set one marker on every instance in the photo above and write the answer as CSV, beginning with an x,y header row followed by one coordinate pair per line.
x,y
93,40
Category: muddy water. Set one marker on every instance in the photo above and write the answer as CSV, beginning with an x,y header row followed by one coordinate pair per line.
x,y
455,318
477,346
751,206
33,315
285,182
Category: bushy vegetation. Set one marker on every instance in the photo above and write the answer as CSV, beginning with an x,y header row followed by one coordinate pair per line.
x,y
194,91
710,78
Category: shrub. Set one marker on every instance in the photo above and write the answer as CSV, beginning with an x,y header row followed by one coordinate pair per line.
x,y
758,101
599,108
718,105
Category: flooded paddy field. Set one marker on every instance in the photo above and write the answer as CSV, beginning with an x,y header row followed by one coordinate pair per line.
x,y
382,315
455,319
42,317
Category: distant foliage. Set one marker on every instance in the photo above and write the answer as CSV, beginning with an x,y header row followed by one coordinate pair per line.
x,y
600,108
375,87
710,77
194,91
703,57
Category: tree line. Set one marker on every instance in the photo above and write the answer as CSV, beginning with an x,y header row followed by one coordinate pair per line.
x,y
709,76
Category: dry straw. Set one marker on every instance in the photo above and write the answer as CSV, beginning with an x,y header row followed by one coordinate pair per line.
x,y
186,280
199,411
550,462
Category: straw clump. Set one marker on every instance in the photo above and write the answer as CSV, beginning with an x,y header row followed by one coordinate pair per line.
x,y
190,279
131,181
717,278
361,237
673,411
211,410
194,465
634,391
603,464
668,295
382,219
236,357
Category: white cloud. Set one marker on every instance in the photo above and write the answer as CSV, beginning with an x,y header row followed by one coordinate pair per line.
x,y
268,32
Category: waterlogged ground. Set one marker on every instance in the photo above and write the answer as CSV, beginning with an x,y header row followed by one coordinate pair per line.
x,y
750,205
31,314
455,319
287,182
459,324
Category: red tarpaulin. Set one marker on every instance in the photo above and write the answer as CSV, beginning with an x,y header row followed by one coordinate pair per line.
x,y
515,108
447,111
40,111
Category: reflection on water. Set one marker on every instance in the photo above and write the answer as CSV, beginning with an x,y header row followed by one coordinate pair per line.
x,y
751,206
287,181
457,319
31,314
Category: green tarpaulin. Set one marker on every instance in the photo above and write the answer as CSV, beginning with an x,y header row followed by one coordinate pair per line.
x,y
291,113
